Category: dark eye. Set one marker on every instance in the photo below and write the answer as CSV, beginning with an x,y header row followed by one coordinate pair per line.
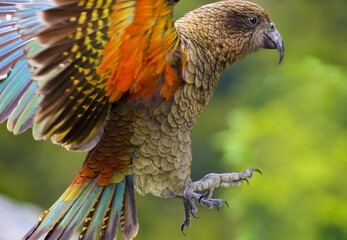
x,y
253,20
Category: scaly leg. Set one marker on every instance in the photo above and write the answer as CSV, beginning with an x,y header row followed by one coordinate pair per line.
x,y
209,183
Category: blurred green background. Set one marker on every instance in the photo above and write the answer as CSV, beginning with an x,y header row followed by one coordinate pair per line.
x,y
290,121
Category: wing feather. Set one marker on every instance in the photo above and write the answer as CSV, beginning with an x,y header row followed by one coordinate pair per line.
x,y
17,89
85,56
66,70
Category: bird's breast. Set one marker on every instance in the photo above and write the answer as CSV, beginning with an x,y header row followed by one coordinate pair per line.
x,y
157,133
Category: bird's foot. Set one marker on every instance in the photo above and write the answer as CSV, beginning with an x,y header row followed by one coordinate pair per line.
x,y
209,183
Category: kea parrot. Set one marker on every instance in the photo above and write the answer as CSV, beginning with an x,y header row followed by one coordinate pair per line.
x,y
124,81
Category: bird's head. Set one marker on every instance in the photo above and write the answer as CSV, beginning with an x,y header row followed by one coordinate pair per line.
x,y
231,29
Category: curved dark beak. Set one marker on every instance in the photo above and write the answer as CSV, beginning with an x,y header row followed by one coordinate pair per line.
x,y
273,40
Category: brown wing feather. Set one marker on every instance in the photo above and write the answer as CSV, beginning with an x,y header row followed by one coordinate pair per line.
x,y
73,105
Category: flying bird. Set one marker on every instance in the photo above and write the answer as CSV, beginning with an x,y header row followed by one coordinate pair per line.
x,y
124,81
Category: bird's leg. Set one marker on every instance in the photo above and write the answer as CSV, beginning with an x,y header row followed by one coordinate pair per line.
x,y
209,183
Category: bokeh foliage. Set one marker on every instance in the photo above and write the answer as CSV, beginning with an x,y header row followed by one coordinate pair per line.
x,y
297,136
290,121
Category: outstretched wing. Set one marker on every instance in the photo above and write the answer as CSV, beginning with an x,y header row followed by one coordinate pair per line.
x,y
87,55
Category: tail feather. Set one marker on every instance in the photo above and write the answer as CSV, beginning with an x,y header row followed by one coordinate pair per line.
x,y
93,223
130,226
113,220
76,213
74,219
98,210
56,213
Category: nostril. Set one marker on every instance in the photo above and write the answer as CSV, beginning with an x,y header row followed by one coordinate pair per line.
x,y
272,26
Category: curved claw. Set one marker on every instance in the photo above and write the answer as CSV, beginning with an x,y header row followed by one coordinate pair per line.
x,y
193,214
256,170
200,198
182,229
226,203
192,208
246,180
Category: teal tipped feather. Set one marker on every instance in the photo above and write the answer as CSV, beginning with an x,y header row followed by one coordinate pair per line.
x,y
93,227
12,90
18,92
22,117
100,211
113,221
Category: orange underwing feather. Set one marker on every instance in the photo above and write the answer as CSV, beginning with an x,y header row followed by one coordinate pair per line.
x,y
139,49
